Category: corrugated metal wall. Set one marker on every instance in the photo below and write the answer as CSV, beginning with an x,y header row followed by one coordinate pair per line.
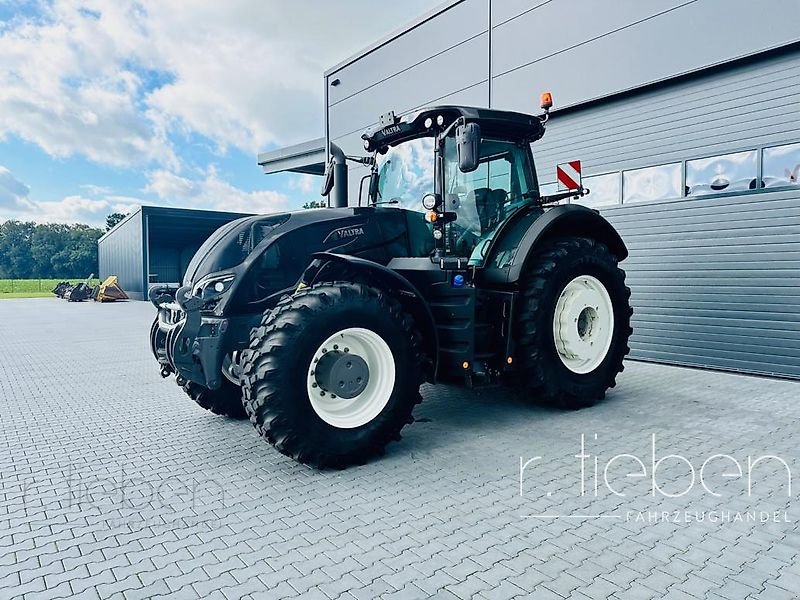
x,y
122,254
582,50
715,281
733,109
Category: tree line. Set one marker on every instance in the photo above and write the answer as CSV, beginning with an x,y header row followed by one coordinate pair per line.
x,y
47,251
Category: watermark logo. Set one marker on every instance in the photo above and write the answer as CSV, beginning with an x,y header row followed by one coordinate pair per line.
x,y
665,475
122,499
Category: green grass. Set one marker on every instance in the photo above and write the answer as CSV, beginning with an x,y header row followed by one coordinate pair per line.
x,y
33,288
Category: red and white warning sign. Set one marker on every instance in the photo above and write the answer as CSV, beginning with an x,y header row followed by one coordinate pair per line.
x,y
569,175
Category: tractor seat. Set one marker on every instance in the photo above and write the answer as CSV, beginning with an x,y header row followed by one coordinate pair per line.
x,y
489,204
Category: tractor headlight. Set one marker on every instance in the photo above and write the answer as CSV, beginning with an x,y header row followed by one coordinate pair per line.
x,y
211,288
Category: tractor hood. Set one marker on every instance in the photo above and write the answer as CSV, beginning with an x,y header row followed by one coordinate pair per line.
x,y
228,246
232,244
256,256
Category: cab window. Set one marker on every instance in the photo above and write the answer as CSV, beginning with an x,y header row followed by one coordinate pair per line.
x,y
406,174
484,198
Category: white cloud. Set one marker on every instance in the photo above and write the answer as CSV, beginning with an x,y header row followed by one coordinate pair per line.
x,y
208,192
212,193
16,203
13,193
72,209
65,86
169,186
95,190
121,82
305,183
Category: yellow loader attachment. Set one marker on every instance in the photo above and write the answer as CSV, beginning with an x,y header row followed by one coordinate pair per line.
x,y
110,291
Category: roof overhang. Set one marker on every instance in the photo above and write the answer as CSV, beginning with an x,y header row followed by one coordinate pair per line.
x,y
307,157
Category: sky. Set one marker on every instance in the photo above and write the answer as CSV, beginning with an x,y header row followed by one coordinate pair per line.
x,y
106,105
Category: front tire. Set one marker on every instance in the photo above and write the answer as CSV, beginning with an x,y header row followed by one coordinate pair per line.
x,y
332,374
573,327
225,401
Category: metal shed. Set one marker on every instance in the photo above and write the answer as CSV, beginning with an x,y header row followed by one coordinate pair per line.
x,y
684,115
153,245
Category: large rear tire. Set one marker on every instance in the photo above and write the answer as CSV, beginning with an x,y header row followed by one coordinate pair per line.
x,y
332,374
573,327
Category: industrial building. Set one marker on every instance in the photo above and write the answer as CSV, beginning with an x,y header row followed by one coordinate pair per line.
x,y
154,244
685,117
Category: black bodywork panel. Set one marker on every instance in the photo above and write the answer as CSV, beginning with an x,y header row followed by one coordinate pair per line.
x,y
268,254
523,231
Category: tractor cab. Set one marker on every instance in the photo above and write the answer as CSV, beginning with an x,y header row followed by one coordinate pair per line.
x,y
465,170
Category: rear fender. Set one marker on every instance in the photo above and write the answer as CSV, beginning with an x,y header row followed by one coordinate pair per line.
x,y
329,266
508,255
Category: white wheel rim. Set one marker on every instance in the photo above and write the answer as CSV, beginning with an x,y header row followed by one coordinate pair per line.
x,y
230,365
583,324
348,413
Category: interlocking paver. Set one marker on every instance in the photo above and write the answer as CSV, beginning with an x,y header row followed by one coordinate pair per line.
x,y
376,589
62,590
32,587
773,592
86,584
132,582
11,580
440,515
788,580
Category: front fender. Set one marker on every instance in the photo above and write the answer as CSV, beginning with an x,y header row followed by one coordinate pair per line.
x,y
327,265
508,255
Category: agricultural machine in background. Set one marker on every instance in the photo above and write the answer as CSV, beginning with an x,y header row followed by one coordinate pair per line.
x,y
107,291
321,325
75,293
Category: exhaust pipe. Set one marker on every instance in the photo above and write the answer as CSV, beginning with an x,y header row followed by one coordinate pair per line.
x,y
339,177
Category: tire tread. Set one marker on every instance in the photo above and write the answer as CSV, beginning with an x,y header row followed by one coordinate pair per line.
x,y
540,380
261,363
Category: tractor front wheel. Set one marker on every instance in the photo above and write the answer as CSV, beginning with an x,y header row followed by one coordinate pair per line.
x,y
225,401
574,323
332,374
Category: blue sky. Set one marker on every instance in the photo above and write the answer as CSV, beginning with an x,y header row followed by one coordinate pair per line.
x,y
105,105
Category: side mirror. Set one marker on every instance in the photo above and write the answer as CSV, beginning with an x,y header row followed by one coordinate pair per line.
x,y
468,143
327,184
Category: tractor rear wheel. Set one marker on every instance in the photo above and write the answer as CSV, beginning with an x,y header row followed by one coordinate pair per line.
x,y
573,327
332,374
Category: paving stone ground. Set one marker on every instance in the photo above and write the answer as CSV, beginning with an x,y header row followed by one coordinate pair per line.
x,y
113,484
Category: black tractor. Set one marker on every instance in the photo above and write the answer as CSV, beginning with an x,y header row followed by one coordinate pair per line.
x,y
321,325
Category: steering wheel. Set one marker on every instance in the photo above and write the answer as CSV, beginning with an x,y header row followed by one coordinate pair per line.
x,y
465,238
